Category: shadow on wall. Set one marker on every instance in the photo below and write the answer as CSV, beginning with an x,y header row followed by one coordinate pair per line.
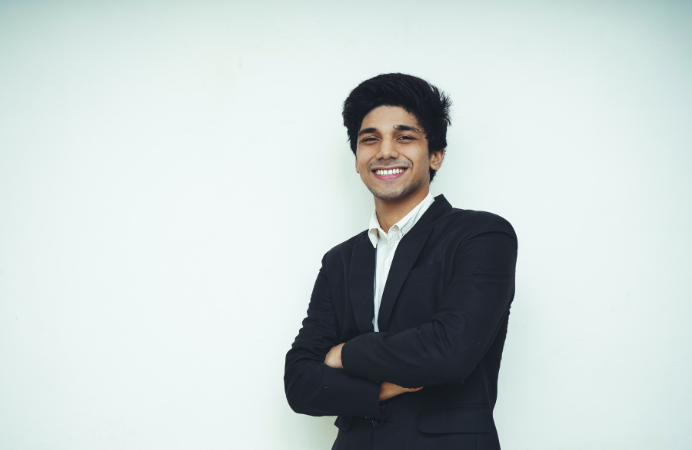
x,y
303,432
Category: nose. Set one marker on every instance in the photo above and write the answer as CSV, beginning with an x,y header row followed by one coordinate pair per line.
x,y
387,150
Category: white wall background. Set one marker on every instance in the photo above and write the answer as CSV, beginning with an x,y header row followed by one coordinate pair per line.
x,y
171,174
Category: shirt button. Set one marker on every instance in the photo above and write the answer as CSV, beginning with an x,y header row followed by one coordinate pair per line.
x,y
377,423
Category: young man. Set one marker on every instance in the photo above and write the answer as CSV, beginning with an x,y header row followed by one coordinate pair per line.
x,y
407,320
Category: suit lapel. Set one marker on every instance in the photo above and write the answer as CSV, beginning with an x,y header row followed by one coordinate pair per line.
x,y
406,254
361,284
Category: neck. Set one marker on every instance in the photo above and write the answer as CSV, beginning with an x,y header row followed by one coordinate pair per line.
x,y
390,212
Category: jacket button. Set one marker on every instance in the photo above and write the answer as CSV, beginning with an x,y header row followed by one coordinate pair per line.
x,y
377,423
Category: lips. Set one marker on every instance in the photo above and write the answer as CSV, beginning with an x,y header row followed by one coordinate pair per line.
x,y
389,174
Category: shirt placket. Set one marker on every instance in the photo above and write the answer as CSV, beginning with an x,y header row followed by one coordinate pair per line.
x,y
392,241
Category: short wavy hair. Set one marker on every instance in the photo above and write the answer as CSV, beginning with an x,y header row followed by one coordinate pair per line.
x,y
427,103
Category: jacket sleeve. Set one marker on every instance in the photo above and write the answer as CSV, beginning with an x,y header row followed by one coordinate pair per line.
x,y
314,388
449,347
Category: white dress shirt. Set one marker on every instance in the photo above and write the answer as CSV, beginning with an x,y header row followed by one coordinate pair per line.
x,y
386,244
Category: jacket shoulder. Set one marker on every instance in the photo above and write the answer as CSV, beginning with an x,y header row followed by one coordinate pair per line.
x,y
478,221
343,250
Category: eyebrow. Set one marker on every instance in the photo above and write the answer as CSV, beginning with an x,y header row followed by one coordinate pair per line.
x,y
406,128
367,130
396,127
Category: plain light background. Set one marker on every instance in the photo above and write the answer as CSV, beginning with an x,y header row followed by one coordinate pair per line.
x,y
171,174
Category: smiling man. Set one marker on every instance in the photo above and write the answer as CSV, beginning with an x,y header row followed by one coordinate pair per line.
x,y
407,320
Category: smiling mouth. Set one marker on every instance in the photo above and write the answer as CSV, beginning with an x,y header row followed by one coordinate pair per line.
x,y
389,174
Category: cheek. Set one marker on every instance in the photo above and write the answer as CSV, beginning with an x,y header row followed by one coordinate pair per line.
x,y
421,165
359,167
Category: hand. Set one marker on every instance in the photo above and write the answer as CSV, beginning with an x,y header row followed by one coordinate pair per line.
x,y
333,358
389,390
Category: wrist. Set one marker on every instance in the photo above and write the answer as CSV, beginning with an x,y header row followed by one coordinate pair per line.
x,y
342,354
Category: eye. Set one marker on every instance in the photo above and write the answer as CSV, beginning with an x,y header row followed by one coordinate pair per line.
x,y
406,137
369,139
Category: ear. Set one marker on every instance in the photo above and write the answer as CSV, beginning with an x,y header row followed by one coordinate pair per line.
x,y
356,158
436,159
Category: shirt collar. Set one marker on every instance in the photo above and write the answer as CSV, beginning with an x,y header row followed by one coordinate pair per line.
x,y
404,225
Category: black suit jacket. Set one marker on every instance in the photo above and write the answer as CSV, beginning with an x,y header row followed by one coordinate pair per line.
x,y
443,322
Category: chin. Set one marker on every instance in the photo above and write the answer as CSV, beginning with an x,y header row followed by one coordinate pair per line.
x,y
392,195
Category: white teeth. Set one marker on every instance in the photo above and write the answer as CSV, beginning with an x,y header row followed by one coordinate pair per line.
x,y
388,172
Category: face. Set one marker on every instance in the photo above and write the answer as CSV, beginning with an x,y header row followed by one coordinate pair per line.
x,y
392,155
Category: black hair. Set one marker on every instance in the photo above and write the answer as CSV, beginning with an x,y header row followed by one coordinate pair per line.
x,y
428,104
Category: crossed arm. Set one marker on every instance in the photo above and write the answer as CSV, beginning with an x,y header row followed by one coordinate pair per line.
x,y
387,390
336,378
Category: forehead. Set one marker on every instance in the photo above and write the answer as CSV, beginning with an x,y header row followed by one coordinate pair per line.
x,y
386,117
